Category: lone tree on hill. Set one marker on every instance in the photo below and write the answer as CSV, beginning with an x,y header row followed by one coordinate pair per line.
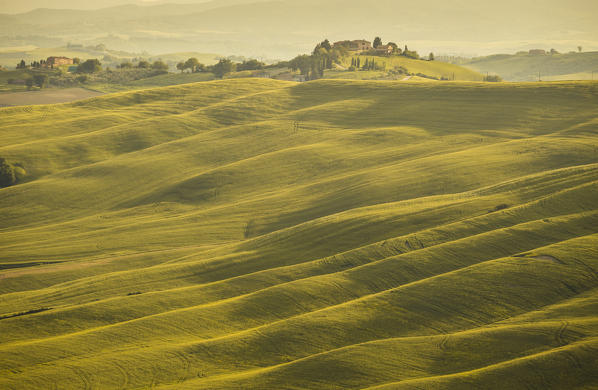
x,y
431,57
21,65
7,173
377,42
579,48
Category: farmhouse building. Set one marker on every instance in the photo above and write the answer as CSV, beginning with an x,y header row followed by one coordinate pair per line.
x,y
356,45
57,61
384,49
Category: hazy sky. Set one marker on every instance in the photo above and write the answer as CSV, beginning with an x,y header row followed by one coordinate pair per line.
x,y
18,6
283,29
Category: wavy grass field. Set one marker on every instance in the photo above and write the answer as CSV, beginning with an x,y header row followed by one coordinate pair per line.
x,y
261,234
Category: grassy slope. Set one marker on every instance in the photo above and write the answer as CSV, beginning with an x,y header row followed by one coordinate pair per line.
x,y
570,66
152,82
430,68
199,239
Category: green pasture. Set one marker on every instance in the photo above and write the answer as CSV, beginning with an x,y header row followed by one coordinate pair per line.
x,y
259,234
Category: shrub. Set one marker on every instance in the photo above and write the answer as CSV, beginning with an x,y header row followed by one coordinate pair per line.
x,y
7,173
493,79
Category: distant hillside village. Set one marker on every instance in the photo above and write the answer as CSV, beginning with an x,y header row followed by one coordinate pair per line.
x,y
63,71
377,48
49,63
328,56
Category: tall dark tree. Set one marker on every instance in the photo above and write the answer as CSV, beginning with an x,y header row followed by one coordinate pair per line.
x,y
431,57
21,65
377,42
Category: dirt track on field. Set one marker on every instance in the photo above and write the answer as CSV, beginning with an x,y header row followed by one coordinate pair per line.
x,y
46,96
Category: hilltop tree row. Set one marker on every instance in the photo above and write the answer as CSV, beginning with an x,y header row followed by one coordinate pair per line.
x,y
221,68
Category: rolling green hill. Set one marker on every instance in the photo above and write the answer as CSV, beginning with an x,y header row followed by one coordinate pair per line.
x,y
254,233
526,67
435,69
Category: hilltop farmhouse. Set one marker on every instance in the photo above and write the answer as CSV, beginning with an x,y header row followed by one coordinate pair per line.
x,y
357,45
57,61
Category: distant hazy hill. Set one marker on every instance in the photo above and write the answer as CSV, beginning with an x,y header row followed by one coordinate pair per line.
x,y
527,67
14,7
282,28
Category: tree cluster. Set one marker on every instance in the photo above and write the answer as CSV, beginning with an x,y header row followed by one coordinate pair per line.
x,y
192,64
89,66
410,53
323,57
223,67
368,64
35,64
250,65
156,65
